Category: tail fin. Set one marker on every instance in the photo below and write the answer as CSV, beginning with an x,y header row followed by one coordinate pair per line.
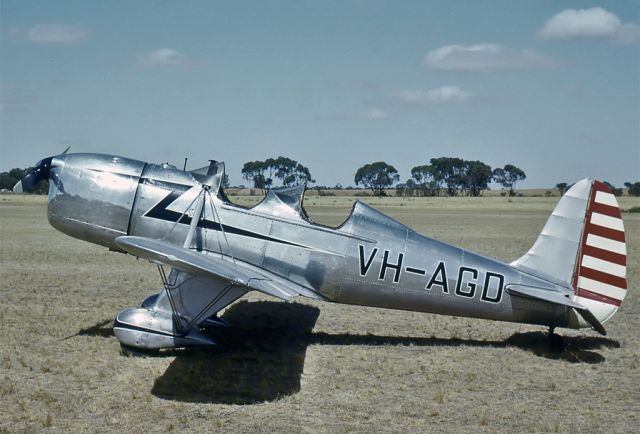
x,y
583,245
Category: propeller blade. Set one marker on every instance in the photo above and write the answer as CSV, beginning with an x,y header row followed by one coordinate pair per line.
x,y
39,173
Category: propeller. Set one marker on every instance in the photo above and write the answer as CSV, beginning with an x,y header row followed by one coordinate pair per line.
x,y
39,173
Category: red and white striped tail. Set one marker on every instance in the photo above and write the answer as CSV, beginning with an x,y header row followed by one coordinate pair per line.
x,y
599,278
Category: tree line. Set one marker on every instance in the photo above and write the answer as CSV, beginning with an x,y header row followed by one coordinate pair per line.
x,y
287,170
444,175
449,176
633,188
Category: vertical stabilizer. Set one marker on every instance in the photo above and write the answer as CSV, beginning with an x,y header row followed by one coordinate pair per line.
x,y
583,245
554,253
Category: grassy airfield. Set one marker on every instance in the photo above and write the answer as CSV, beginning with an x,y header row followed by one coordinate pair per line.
x,y
304,366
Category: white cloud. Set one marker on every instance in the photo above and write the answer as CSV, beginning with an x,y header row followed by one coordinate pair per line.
x,y
589,23
439,95
485,57
162,57
54,33
373,114
376,114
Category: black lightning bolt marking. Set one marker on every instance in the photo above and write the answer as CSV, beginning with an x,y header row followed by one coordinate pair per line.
x,y
161,212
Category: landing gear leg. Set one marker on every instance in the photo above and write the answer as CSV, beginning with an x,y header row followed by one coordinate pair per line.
x,y
556,344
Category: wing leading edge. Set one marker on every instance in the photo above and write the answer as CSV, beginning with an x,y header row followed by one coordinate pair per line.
x,y
233,271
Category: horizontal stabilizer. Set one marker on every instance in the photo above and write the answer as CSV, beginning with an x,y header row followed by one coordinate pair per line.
x,y
235,272
556,297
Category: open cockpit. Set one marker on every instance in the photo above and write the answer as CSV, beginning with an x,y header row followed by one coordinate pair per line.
x,y
286,203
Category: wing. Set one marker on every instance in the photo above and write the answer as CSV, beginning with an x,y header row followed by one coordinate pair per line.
x,y
235,272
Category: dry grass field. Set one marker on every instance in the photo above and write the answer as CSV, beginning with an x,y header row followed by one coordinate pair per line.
x,y
303,366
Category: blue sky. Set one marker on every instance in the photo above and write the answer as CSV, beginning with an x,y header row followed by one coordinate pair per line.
x,y
552,87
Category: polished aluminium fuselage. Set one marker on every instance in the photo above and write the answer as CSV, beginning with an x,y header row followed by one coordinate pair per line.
x,y
370,259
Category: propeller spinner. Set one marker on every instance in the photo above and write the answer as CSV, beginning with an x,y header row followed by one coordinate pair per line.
x,y
39,173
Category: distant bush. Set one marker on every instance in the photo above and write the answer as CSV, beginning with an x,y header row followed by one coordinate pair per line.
x,y
325,193
633,188
634,209
615,190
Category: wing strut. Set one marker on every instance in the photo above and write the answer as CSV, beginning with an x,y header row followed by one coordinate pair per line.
x,y
172,303
200,200
224,234
197,215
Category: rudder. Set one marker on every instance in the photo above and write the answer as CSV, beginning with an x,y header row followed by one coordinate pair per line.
x,y
599,278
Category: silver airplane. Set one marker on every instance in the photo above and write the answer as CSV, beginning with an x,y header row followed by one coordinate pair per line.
x,y
574,276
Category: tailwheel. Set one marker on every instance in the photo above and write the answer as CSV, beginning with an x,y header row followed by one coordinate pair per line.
x,y
556,343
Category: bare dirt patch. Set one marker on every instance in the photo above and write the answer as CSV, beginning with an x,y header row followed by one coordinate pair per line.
x,y
303,366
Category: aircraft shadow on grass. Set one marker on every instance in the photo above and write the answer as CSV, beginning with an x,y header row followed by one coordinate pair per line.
x,y
261,357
